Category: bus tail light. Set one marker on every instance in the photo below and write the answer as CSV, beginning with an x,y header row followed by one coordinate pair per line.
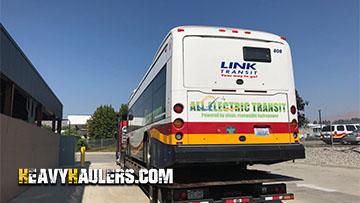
x,y
221,30
178,123
293,109
294,123
180,195
178,108
180,30
247,32
283,38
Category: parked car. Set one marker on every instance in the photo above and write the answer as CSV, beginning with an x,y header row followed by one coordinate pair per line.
x,y
337,131
352,138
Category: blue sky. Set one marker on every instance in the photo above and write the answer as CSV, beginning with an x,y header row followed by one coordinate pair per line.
x,y
96,52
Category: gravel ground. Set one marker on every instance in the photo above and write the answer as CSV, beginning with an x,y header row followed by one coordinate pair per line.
x,y
338,156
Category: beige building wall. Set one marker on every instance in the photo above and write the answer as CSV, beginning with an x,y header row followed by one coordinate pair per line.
x,y
23,145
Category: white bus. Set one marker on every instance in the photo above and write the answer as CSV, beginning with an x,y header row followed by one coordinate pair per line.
x,y
215,95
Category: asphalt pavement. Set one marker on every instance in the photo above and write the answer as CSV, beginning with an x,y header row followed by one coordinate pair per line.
x,y
113,193
321,183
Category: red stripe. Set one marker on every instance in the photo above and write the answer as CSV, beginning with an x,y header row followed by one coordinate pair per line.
x,y
163,128
240,127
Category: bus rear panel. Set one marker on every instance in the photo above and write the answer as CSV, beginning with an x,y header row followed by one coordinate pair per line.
x,y
231,99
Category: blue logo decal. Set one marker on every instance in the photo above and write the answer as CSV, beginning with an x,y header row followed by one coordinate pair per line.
x,y
236,69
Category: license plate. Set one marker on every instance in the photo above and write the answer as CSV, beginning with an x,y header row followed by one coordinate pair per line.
x,y
195,194
261,131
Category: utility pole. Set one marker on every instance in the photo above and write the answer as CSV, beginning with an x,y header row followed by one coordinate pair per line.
x,y
331,136
320,120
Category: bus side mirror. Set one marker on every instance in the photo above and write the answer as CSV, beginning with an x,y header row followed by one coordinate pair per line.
x,y
131,117
124,117
116,135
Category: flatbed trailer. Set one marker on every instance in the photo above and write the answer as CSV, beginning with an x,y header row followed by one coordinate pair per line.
x,y
216,184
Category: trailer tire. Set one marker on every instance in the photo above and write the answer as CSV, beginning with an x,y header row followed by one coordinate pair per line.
x,y
156,194
159,198
147,153
127,153
153,194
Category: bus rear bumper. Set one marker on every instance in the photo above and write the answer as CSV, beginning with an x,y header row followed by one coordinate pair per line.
x,y
259,153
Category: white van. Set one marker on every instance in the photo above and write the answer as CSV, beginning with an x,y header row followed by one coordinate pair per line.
x,y
337,131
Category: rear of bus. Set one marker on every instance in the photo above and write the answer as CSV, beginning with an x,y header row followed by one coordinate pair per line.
x,y
233,97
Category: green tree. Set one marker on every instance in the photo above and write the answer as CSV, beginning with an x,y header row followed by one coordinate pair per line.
x,y
46,127
73,131
123,112
102,123
347,121
301,103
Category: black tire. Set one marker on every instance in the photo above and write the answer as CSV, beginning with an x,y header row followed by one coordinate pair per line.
x,y
327,142
159,196
156,194
127,152
153,194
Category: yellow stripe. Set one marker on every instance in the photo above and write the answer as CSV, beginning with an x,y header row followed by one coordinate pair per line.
x,y
223,138
133,152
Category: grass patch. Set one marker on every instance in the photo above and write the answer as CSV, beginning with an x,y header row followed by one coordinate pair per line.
x,y
103,149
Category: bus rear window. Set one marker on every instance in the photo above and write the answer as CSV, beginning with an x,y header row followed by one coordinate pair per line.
x,y
257,54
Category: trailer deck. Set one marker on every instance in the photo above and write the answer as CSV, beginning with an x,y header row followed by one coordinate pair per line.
x,y
223,183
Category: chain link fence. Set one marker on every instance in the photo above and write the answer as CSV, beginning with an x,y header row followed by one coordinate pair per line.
x,y
101,143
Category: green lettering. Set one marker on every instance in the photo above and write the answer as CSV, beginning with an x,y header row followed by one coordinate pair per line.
x,y
220,106
254,106
231,105
284,107
270,107
247,107
198,106
276,108
192,106
259,108
236,105
225,105
265,109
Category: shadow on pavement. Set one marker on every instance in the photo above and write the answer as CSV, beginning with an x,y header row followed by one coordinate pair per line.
x,y
53,193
